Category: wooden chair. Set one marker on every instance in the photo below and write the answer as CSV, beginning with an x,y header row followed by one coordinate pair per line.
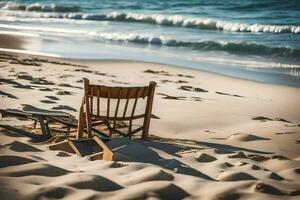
x,y
91,111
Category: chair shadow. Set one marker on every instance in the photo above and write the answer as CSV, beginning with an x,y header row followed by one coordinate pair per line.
x,y
152,157
226,147
16,132
201,145
142,151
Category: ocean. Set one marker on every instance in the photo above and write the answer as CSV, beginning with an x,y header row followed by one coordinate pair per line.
x,y
248,39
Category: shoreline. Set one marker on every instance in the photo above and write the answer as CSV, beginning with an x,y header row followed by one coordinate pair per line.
x,y
270,75
56,56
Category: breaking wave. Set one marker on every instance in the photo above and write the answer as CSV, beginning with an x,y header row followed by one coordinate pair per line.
x,y
160,40
38,7
232,47
158,19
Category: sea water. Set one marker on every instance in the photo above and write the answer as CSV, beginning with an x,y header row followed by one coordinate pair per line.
x,y
249,39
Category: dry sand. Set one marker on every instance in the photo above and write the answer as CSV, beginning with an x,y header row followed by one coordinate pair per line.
x,y
217,137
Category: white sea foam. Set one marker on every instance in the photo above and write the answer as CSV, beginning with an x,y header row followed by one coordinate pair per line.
x,y
19,33
43,29
293,69
30,52
38,7
161,40
168,20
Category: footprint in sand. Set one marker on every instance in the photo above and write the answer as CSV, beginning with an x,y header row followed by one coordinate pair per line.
x,y
64,93
290,174
15,84
238,155
13,160
254,157
147,174
163,73
223,151
225,165
171,97
83,70
279,157
64,107
65,76
268,189
191,89
255,167
284,133
117,165
258,158
52,98
105,74
52,192
47,101
45,89
119,82
31,169
38,81
41,81
68,85
242,163
187,76
233,95
235,176
206,158
197,98
181,81
91,182
166,81
275,176
5,94
243,137
63,154
22,147
264,119
159,191
25,77
25,61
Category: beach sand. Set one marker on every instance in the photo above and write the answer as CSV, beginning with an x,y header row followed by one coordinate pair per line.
x,y
216,137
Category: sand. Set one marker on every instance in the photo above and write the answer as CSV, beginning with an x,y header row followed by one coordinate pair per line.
x,y
216,137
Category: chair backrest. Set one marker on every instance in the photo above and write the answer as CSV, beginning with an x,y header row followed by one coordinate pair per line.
x,y
93,104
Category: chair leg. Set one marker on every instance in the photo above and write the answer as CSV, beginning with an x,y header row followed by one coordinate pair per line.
x,y
45,128
48,130
34,125
81,120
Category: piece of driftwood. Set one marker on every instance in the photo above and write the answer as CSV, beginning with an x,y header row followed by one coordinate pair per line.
x,y
90,110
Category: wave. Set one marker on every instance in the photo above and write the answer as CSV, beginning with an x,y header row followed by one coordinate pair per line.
x,y
148,39
165,20
231,47
39,7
